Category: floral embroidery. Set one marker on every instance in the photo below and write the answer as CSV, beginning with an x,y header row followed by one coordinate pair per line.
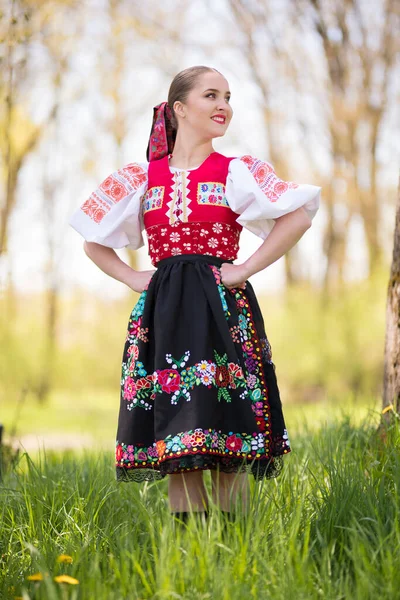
x,y
252,348
266,178
113,189
211,193
221,289
179,378
215,239
95,208
153,199
210,441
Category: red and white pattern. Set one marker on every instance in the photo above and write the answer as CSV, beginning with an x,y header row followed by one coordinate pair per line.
x,y
214,239
112,190
266,178
95,208
220,197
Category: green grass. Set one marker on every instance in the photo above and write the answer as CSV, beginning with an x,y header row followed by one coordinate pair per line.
x,y
327,528
92,416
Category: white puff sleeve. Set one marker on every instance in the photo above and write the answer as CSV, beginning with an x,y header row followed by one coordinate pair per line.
x,y
112,214
255,192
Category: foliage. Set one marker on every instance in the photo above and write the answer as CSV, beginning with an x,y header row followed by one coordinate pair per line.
x,y
322,346
327,528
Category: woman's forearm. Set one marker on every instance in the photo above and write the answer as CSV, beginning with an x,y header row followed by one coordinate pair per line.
x,y
109,262
284,235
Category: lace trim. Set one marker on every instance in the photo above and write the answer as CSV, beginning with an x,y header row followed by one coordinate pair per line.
x,y
261,469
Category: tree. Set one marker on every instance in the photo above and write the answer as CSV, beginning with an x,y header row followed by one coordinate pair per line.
x,y
391,378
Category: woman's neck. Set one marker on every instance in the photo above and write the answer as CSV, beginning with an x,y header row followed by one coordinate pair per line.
x,y
189,155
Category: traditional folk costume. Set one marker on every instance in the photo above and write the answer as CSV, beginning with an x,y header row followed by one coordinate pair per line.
x,y
198,386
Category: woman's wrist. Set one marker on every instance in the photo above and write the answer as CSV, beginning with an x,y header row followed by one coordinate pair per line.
x,y
127,275
249,268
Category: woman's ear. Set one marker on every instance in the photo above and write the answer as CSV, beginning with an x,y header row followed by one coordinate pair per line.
x,y
179,109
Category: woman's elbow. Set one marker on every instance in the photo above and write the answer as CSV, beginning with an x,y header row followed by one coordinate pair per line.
x,y
89,247
306,220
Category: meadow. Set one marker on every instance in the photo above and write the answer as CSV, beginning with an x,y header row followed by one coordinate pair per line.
x,y
328,527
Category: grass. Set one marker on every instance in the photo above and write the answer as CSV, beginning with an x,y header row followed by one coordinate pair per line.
x,y
92,416
328,528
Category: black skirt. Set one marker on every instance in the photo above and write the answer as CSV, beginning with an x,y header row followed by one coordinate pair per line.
x,y
198,387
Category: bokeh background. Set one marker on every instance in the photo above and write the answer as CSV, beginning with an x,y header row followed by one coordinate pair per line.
x,y
315,91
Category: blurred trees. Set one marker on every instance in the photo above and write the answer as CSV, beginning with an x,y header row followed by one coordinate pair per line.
x,y
345,53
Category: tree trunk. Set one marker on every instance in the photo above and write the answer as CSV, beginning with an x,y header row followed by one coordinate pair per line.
x,y
391,378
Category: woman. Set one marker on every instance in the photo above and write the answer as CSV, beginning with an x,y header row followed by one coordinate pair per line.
x,y
198,388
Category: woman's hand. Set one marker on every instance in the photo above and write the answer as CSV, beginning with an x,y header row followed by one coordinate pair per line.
x,y
138,281
233,276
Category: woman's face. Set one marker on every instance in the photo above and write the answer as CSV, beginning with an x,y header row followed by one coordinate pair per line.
x,y
207,110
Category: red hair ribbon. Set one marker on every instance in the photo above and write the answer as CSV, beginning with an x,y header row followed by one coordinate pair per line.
x,y
162,135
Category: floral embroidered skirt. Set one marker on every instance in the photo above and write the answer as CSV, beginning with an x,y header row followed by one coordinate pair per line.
x,y
198,387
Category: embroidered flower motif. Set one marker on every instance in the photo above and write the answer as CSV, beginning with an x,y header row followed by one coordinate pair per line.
x,y
261,423
174,444
133,350
206,378
129,389
152,451
169,380
251,365
118,452
257,443
222,376
197,438
161,446
175,237
202,366
234,443
212,367
213,243
176,251
187,440
280,187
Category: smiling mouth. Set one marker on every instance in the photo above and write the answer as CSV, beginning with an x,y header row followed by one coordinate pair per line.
x,y
219,119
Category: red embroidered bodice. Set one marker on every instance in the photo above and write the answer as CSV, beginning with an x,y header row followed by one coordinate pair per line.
x,y
186,212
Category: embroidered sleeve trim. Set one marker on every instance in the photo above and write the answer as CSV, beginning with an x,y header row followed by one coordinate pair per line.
x,y
266,178
112,190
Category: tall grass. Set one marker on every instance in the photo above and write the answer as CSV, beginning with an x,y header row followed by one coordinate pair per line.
x,y
328,528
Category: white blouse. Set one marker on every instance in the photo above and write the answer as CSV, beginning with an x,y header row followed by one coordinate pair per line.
x,y
253,191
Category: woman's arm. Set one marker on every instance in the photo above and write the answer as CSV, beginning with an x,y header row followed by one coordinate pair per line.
x,y
110,263
286,232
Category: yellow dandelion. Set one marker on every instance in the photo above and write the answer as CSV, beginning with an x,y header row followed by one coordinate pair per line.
x,y
389,407
35,577
64,558
65,579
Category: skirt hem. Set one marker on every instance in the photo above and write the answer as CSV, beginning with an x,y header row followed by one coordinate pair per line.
x,y
260,469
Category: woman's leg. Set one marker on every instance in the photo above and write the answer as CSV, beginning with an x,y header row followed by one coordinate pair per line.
x,y
186,492
230,490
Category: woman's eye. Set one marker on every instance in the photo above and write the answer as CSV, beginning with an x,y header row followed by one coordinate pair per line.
x,y
210,94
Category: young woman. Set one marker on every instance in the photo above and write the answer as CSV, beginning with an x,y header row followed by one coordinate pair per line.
x,y
198,388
